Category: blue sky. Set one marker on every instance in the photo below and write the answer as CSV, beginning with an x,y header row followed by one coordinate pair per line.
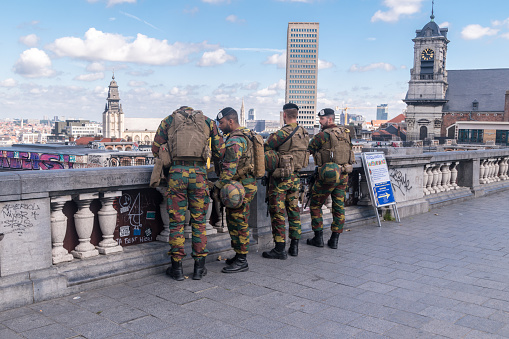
x,y
58,55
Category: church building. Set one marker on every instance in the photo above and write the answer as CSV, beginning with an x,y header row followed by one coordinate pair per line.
x,y
468,105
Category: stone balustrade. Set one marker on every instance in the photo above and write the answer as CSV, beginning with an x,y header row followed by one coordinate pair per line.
x,y
64,231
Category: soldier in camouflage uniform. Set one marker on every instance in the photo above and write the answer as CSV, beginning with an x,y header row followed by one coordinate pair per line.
x,y
233,168
187,187
284,191
320,191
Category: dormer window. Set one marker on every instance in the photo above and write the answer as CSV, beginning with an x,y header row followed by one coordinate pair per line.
x,y
475,105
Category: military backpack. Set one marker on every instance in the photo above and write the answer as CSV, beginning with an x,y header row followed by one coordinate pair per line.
x,y
253,160
188,135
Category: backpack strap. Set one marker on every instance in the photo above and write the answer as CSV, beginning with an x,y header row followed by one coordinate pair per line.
x,y
288,137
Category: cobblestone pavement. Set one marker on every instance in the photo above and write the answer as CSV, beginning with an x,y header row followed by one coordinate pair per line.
x,y
443,274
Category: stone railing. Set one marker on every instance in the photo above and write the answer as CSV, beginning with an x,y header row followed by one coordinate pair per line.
x,y
70,230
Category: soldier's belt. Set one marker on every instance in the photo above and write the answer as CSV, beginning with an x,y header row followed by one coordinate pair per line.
x,y
188,163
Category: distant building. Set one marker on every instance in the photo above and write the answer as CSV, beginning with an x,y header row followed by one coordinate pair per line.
x,y
302,69
263,125
251,115
242,118
382,112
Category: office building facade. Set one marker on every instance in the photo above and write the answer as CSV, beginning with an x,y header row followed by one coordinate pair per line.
x,y
302,69
382,112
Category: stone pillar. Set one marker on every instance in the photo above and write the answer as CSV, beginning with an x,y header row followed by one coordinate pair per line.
x,y
210,229
58,229
108,222
434,187
497,169
164,236
84,222
429,170
446,176
365,200
482,171
504,166
425,180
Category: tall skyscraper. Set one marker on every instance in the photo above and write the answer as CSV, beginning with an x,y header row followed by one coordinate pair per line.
x,y
302,69
251,114
382,112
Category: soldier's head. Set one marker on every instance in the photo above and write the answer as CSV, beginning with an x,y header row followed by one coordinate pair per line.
x,y
290,113
326,117
228,120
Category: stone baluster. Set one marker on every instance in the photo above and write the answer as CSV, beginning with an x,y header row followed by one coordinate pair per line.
x,y
487,173
84,222
503,168
58,229
497,169
446,176
491,176
434,187
210,229
108,221
439,180
430,179
164,236
482,171
365,200
425,180
454,175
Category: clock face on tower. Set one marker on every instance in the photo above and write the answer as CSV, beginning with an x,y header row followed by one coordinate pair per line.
x,y
427,54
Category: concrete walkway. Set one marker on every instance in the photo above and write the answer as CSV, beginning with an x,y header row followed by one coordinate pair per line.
x,y
443,274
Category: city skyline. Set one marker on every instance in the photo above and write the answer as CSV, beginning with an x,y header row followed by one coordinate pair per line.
x,y
58,60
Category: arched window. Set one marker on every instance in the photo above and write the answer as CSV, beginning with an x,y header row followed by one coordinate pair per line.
x,y
423,133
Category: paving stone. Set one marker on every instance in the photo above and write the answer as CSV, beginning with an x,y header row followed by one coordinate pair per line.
x,y
9,334
99,304
408,319
76,317
376,287
145,325
99,329
474,309
16,313
53,307
335,330
372,324
218,329
290,332
445,328
203,305
54,331
481,324
27,322
402,331
122,314
175,332
261,325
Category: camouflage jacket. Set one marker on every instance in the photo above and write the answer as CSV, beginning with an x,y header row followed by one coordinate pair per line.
x,y
217,144
235,147
276,139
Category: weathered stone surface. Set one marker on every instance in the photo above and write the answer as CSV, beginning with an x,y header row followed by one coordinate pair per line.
x,y
26,245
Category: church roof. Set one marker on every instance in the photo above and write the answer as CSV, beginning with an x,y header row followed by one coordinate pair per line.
x,y
487,86
431,29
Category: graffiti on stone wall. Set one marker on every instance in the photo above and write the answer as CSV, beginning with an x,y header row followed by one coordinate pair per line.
x,y
18,217
40,161
400,181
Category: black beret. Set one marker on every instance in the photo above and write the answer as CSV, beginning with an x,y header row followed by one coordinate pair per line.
x,y
326,111
224,112
290,106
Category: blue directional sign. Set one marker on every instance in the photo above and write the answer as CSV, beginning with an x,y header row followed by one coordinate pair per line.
x,y
377,175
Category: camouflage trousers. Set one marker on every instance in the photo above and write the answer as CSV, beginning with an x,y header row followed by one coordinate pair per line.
x,y
319,194
284,195
236,219
187,189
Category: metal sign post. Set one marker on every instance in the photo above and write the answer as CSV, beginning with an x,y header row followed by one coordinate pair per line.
x,y
379,182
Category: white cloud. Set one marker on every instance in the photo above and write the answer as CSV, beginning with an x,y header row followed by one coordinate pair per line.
x,y
98,46
234,19
90,76
371,67
133,83
112,3
30,40
140,20
445,24
371,39
251,86
34,63
216,2
505,36
95,67
141,73
397,8
500,23
217,57
191,11
276,59
9,82
272,90
475,31
322,64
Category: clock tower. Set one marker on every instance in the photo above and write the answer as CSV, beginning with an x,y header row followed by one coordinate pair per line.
x,y
113,116
428,82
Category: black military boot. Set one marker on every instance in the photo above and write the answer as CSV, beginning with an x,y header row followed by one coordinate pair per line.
x,y
294,248
317,240
175,270
277,252
333,241
199,269
238,265
229,261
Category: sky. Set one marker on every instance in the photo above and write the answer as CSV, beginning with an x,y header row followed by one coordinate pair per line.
x,y
58,56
